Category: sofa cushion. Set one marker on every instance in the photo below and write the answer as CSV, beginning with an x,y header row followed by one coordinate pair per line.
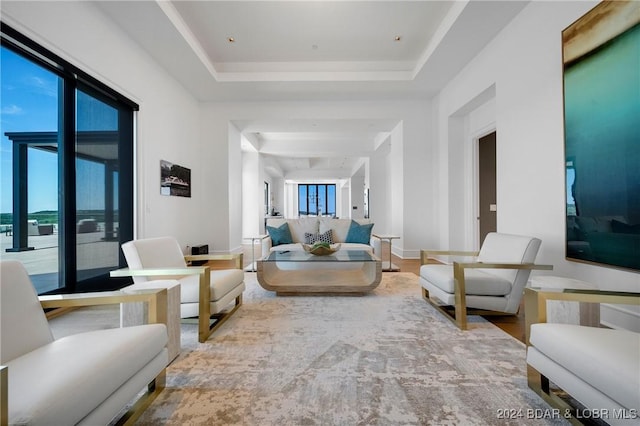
x,y
288,247
343,246
325,237
301,226
477,282
61,382
606,359
359,233
356,246
280,235
339,228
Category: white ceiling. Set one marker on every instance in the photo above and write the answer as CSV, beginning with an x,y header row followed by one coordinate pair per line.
x,y
312,51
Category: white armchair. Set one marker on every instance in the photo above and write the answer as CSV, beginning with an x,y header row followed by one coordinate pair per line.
x,y
493,283
204,293
598,367
85,378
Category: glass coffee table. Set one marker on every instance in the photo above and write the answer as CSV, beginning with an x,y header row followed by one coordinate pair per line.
x,y
345,272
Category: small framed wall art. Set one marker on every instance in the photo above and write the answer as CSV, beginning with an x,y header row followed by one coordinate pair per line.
x,y
174,179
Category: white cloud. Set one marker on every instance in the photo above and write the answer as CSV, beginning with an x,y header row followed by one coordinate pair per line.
x,y
12,110
43,86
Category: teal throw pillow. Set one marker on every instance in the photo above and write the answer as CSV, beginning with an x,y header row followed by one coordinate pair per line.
x,y
359,233
280,235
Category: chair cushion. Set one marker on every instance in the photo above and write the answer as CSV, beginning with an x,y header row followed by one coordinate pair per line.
x,y
222,282
160,252
23,325
507,248
604,358
61,382
477,282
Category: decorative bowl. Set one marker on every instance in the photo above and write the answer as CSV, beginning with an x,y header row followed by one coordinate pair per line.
x,y
321,250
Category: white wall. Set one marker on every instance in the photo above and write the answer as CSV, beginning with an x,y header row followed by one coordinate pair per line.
x,y
380,188
168,120
411,170
233,236
357,197
252,196
524,64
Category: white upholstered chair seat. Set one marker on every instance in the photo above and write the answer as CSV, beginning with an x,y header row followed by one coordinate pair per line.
x,y
477,281
615,373
59,380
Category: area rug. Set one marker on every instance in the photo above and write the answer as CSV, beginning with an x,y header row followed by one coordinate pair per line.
x,y
387,358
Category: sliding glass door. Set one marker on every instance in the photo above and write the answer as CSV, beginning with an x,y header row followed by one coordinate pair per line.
x,y
67,170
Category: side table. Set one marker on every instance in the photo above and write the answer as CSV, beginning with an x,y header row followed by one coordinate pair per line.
x,y
390,267
579,313
136,313
252,267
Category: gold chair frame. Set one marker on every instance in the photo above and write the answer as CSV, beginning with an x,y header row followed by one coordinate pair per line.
x,y
535,305
157,313
205,328
460,310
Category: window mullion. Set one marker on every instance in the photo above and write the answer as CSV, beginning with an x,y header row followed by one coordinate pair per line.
x,y
67,182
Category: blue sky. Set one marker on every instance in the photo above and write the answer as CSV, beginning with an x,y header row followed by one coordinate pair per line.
x,y
29,102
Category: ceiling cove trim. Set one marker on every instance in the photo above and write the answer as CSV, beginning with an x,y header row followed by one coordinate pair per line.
x,y
447,23
176,19
314,76
278,76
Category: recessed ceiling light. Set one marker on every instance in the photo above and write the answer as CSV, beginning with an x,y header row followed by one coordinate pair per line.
x,y
397,38
231,39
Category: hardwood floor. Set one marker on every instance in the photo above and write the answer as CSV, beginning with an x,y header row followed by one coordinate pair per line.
x,y
511,324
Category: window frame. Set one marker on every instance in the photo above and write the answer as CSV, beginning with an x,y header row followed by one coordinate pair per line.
x,y
73,79
318,197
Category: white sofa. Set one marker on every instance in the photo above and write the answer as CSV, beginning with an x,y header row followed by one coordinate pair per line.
x,y
86,378
598,367
318,225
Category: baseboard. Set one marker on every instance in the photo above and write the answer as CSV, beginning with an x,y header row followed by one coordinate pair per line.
x,y
405,254
620,317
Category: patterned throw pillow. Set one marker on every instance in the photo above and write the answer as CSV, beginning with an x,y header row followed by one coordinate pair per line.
x,y
314,238
359,233
280,235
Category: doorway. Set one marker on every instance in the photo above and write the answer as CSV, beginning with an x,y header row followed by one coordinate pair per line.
x,y
487,205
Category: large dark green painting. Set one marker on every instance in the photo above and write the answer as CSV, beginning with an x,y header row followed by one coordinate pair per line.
x,y
601,53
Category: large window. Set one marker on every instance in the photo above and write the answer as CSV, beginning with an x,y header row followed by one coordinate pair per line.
x,y
67,169
316,199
